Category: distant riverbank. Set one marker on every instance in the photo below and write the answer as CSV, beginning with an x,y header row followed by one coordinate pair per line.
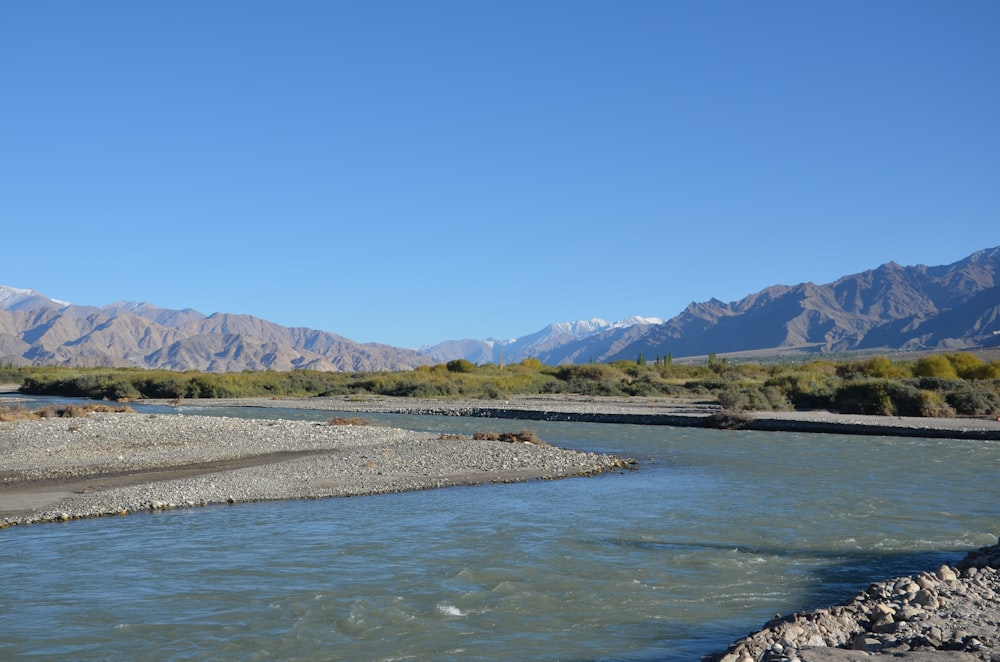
x,y
632,410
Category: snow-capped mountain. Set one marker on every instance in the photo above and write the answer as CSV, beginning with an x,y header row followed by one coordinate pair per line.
x,y
13,298
536,344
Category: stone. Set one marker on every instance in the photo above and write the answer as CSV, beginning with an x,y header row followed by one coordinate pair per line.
x,y
816,640
791,634
946,574
926,598
882,611
866,642
885,626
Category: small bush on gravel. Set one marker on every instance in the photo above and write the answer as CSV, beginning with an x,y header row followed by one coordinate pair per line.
x,y
337,420
10,414
523,437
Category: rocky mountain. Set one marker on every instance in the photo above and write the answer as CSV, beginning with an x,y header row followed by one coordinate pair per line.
x,y
893,307
37,330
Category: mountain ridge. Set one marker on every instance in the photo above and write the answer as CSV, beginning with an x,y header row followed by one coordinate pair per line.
x,y
127,334
835,317
891,307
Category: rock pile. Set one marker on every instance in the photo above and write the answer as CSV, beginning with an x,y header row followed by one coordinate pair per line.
x,y
948,614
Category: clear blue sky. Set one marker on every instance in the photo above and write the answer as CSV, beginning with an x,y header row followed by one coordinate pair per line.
x,y
410,172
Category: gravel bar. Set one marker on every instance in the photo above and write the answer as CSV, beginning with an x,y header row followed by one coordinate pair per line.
x,y
58,469
677,412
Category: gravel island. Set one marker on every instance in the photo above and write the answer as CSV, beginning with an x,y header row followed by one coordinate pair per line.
x,y
58,469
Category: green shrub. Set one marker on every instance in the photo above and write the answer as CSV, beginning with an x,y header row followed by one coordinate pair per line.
x,y
975,399
934,404
880,397
750,397
122,390
935,366
864,397
591,379
807,390
967,365
877,367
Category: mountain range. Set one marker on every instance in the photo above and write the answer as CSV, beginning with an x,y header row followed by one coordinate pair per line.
x,y
41,331
890,308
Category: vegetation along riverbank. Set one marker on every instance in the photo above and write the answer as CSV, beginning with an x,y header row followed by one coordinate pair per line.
x,y
956,392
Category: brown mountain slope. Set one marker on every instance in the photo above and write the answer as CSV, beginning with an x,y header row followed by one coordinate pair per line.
x,y
84,336
891,307
948,307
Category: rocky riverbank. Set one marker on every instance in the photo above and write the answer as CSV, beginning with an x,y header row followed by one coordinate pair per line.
x,y
108,464
951,614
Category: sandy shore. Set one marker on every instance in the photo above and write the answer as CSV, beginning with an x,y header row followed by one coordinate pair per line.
x,y
108,464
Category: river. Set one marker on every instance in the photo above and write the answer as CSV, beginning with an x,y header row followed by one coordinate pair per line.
x,y
713,534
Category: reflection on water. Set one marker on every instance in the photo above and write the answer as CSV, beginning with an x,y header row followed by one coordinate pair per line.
x,y
713,534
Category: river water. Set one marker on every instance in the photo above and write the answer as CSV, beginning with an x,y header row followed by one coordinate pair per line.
x,y
714,533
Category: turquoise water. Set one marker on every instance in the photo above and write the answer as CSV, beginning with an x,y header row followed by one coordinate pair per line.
x,y
715,533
